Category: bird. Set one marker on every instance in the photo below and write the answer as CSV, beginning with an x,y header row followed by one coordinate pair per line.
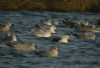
x,y
53,52
8,37
62,39
85,36
47,28
5,27
51,22
11,37
20,47
84,26
43,32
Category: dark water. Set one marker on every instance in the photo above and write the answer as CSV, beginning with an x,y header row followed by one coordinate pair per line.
x,y
75,54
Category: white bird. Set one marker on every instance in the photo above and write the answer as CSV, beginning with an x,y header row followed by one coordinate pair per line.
x,y
44,32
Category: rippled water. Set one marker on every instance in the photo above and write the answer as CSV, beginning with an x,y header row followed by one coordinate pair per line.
x,y
75,54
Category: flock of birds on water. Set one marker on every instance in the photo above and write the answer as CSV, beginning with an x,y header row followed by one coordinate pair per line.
x,y
82,30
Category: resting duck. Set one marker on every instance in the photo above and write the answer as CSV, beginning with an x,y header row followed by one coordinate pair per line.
x,y
43,32
85,36
53,52
62,39
23,47
5,27
84,26
11,37
8,37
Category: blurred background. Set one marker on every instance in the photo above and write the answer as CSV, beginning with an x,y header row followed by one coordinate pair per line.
x,y
51,5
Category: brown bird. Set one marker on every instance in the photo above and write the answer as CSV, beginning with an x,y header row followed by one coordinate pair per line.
x,y
23,47
8,37
5,27
53,52
85,36
11,37
62,39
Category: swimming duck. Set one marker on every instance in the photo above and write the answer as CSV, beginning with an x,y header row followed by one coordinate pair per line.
x,y
42,32
5,27
11,37
85,36
53,52
23,47
8,37
62,39
84,26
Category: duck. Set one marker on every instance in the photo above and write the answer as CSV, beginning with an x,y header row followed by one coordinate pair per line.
x,y
84,26
8,37
5,27
98,22
51,28
92,30
62,39
85,36
11,37
53,52
20,47
42,32
51,22
2,37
